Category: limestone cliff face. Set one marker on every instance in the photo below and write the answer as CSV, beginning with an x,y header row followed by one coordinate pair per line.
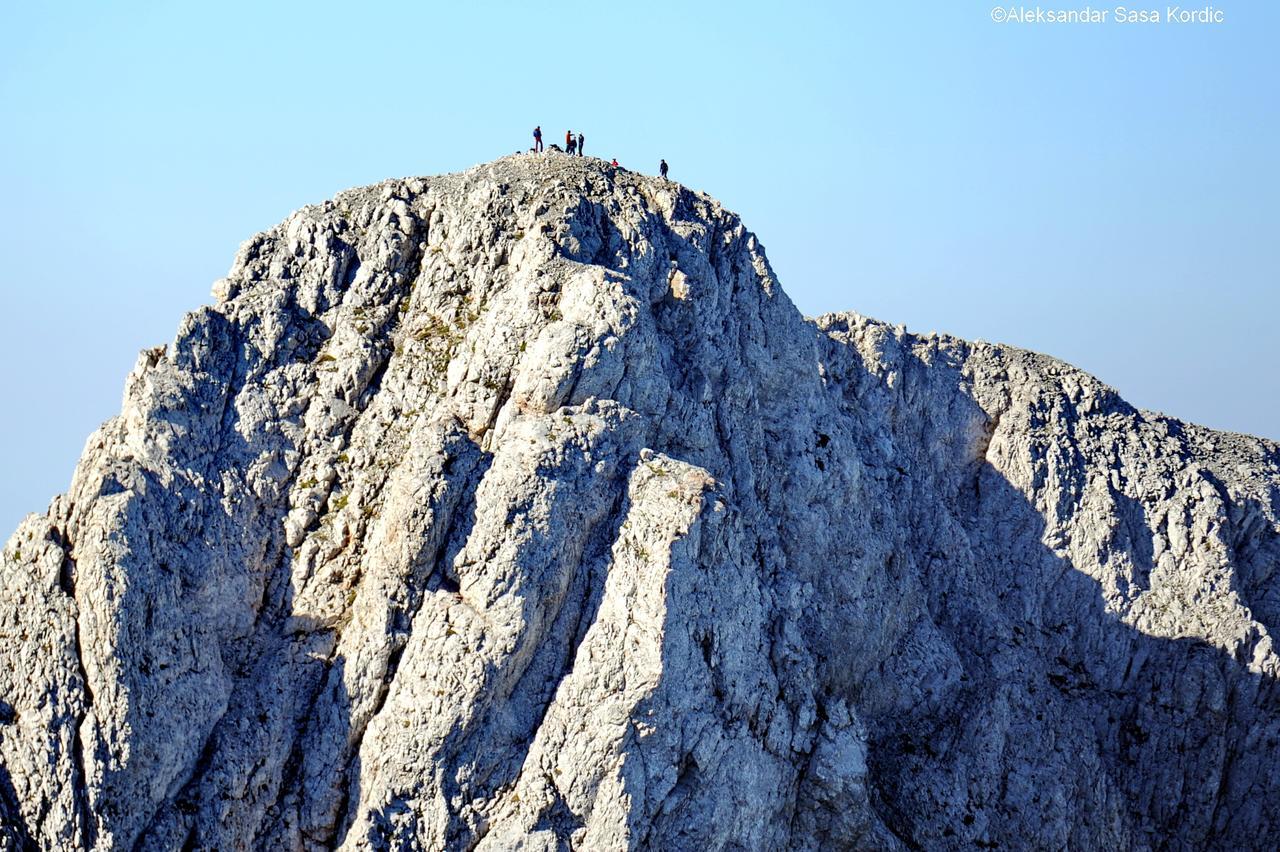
x,y
520,509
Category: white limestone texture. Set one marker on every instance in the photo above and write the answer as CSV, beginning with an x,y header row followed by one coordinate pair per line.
x,y
521,509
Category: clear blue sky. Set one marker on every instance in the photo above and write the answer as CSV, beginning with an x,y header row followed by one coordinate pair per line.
x,y
1104,193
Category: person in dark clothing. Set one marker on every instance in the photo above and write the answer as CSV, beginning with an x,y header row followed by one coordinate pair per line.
x,y
537,138
662,169
581,139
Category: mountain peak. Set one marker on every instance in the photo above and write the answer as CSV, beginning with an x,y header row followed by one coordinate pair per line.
x,y
521,508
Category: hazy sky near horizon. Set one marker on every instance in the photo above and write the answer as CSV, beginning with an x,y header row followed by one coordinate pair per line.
x,y
1105,193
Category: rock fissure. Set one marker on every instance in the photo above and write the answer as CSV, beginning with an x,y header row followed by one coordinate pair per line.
x,y
79,781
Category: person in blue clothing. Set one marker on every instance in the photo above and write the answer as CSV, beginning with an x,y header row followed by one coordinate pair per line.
x,y
537,138
581,139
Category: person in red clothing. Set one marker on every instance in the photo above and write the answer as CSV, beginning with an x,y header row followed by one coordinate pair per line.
x,y
569,142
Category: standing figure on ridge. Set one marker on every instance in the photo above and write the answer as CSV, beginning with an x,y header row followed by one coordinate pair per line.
x,y
581,139
569,142
662,169
537,138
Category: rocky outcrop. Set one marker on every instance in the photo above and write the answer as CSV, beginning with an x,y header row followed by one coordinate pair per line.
x,y
520,509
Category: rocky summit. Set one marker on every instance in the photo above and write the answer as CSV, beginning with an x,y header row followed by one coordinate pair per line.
x,y
521,509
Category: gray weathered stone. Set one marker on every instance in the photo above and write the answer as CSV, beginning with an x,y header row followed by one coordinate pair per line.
x,y
520,509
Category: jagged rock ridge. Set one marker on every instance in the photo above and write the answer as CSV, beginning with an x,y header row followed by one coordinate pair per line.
x,y
521,509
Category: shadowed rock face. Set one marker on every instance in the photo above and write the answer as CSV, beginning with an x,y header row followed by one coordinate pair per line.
x,y
520,509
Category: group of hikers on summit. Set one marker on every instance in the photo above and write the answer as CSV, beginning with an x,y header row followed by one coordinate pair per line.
x,y
573,146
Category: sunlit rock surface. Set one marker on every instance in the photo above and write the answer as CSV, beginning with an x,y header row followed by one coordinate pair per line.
x,y
521,509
